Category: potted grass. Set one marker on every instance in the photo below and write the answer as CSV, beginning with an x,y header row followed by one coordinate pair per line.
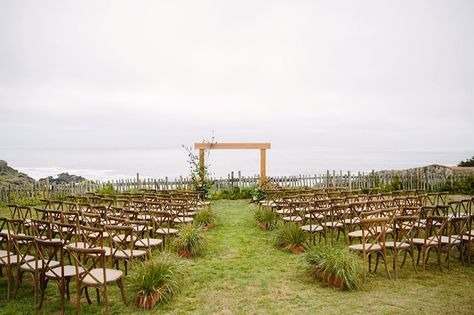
x,y
205,219
190,241
290,236
335,265
155,281
266,218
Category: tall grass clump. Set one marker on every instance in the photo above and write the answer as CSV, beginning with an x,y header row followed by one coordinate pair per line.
x,y
205,218
266,218
190,241
335,265
156,281
290,236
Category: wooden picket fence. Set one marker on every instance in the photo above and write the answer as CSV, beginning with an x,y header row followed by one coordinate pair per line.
x,y
359,180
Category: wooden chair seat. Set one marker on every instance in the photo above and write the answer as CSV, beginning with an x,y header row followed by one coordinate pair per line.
x,y
183,220
312,228
368,247
69,271
398,245
121,238
127,253
352,221
333,224
293,218
145,243
31,265
4,253
313,216
358,233
96,276
167,231
455,239
14,259
430,240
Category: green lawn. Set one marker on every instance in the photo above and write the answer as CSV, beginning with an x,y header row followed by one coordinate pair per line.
x,y
242,272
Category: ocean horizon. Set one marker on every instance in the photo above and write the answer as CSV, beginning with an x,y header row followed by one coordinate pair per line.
x,y
112,164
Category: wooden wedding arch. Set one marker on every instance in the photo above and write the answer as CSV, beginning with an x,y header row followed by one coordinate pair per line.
x,y
236,146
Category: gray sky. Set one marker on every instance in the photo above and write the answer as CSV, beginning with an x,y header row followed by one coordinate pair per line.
x,y
332,74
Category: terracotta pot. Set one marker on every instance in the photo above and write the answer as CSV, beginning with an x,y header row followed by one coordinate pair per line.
x,y
207,227
185,253
263,226
146,301
330,280
297,249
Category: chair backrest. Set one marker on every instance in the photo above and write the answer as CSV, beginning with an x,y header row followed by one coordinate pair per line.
x,y
89,237
42,228
373,232
95,258
457,228
48,251
23,246
435,228
71,217
90,219
121,238
66,231
404,228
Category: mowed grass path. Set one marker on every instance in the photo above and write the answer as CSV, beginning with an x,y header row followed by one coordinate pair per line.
x,y
242,272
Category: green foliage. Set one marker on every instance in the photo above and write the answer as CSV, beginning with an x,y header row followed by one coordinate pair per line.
x,y
189,240
266,217
205,217
464,185
395,184
27,202
289,235
335,261
108,189
163,274
233,193
467,163
259,194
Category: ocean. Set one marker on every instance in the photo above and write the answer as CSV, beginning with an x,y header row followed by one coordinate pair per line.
x,y
108,164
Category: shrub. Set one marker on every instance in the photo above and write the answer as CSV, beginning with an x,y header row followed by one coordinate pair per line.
x,y
289,235
259,194
467,163
205,217
190,241
108,189
335,262
27,202
266,218
156,280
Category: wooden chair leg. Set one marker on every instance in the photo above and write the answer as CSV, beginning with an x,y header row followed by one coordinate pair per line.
x,y
122,291
78,298
384,257
106,299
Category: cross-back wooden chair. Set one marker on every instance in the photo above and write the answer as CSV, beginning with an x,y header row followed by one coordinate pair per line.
x,y
142,229
26,260
314,223
122,240
295,211
7,258
404,230
456,228
48,253
336,220
42,228
434,231
163,225
91,271
373,241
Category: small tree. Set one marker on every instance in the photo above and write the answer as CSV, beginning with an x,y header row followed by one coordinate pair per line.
x,y
467,163
200,179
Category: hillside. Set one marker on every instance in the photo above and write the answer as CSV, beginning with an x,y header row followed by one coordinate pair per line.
x,y
11,177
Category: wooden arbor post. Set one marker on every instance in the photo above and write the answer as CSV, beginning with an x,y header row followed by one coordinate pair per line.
x,y
236,146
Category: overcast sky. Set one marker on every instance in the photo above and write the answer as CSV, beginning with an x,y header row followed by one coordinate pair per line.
x,y
158,74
